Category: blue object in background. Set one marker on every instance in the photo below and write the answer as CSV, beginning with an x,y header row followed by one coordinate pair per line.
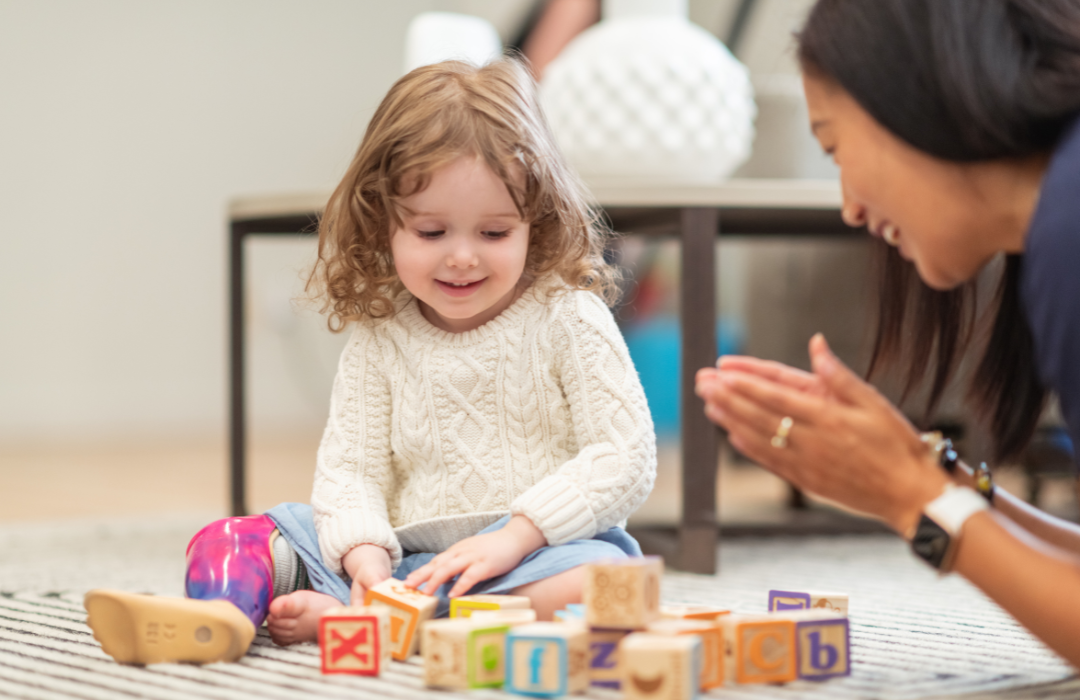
x,y
655,346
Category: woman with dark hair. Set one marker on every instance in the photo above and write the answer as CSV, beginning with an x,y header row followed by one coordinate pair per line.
x,y
956,127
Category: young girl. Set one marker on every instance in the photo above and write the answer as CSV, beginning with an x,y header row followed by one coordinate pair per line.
x,y
488,432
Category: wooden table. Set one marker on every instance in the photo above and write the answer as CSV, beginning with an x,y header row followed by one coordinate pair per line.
x,y
695,214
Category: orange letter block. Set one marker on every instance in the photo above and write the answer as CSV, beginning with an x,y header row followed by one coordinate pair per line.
x,y
759,648
354,640
408,608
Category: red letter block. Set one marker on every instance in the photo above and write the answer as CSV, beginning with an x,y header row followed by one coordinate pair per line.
x,y
354,640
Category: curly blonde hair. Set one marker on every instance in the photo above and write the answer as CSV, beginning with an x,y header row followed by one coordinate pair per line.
x,y
432,116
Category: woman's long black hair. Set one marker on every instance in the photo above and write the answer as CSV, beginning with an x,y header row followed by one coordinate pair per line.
x,y
965,81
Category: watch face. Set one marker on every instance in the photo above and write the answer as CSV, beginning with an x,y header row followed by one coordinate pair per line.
x,y
931,542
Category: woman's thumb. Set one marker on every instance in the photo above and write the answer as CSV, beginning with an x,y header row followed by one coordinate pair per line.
x,y
842,382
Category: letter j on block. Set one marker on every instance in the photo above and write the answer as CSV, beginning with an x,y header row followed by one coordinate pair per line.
x,y
824,649
788,600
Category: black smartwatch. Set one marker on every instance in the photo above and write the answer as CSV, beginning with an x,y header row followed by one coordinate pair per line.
x,y
934,539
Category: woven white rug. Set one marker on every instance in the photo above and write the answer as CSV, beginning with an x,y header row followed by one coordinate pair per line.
x,y
914,635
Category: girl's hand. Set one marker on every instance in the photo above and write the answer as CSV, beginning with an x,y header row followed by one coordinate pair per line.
x,y
480,557
368,565
847,442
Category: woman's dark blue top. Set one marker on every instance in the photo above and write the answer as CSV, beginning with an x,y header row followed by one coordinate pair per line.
x,y
1050,279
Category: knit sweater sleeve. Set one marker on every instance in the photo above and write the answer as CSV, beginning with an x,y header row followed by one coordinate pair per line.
x,y
353,470
615,467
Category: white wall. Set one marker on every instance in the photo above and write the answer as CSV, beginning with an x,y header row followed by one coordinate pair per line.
x,y
125,127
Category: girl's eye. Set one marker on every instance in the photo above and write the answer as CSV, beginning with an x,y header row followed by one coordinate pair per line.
x,y
497,234
429,234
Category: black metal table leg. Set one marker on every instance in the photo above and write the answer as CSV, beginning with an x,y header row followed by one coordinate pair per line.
x,y
237,425
699,529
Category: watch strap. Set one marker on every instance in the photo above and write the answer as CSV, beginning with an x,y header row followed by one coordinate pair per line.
x,y
953,507
935,537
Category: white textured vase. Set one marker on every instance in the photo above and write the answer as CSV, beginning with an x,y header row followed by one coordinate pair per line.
x,y
646,97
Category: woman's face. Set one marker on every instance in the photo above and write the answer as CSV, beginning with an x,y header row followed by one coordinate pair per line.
x,y
932,210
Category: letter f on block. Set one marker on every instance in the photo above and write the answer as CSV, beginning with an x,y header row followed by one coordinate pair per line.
x,y
536,662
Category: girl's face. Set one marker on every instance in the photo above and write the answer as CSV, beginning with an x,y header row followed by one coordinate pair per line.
x,y
934,211
462,251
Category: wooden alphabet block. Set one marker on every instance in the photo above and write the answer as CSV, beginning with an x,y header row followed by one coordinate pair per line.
x,y
660,666
408,608
512,617
759,648
692,612
808,600
604,668
355,640
464,606
823,646
464,653
623,593
712,645
547,659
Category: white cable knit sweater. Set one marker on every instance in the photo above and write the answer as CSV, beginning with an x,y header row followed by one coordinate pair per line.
x,y
434,435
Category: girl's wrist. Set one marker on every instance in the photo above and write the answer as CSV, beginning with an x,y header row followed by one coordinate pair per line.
x,y
526,533
363,555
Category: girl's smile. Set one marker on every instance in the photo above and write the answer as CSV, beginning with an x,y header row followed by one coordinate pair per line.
x,y
459,289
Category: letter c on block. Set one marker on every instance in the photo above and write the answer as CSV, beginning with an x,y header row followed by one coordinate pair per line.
x,y
757,656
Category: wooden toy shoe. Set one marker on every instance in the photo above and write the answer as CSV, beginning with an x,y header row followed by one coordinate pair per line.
x,y
147,629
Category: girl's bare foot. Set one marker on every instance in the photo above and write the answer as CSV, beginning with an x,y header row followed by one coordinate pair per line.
x,y
295,617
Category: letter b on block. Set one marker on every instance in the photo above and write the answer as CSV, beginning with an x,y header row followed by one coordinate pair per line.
x,y
824,650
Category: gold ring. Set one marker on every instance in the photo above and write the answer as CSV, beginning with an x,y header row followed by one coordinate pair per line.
x,y
782,431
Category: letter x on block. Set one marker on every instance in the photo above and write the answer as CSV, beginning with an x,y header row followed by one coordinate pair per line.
x,y
350,646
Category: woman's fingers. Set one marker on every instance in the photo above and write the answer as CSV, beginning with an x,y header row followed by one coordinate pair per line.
x,y
761,451
774,401
741,412
772,371
840,380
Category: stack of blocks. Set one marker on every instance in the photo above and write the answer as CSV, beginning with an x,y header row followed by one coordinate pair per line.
x,y
620,638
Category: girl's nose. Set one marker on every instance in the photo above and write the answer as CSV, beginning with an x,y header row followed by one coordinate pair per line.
x,y
462,256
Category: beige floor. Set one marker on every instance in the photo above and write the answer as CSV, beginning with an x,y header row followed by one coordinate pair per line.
x,y
92,479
